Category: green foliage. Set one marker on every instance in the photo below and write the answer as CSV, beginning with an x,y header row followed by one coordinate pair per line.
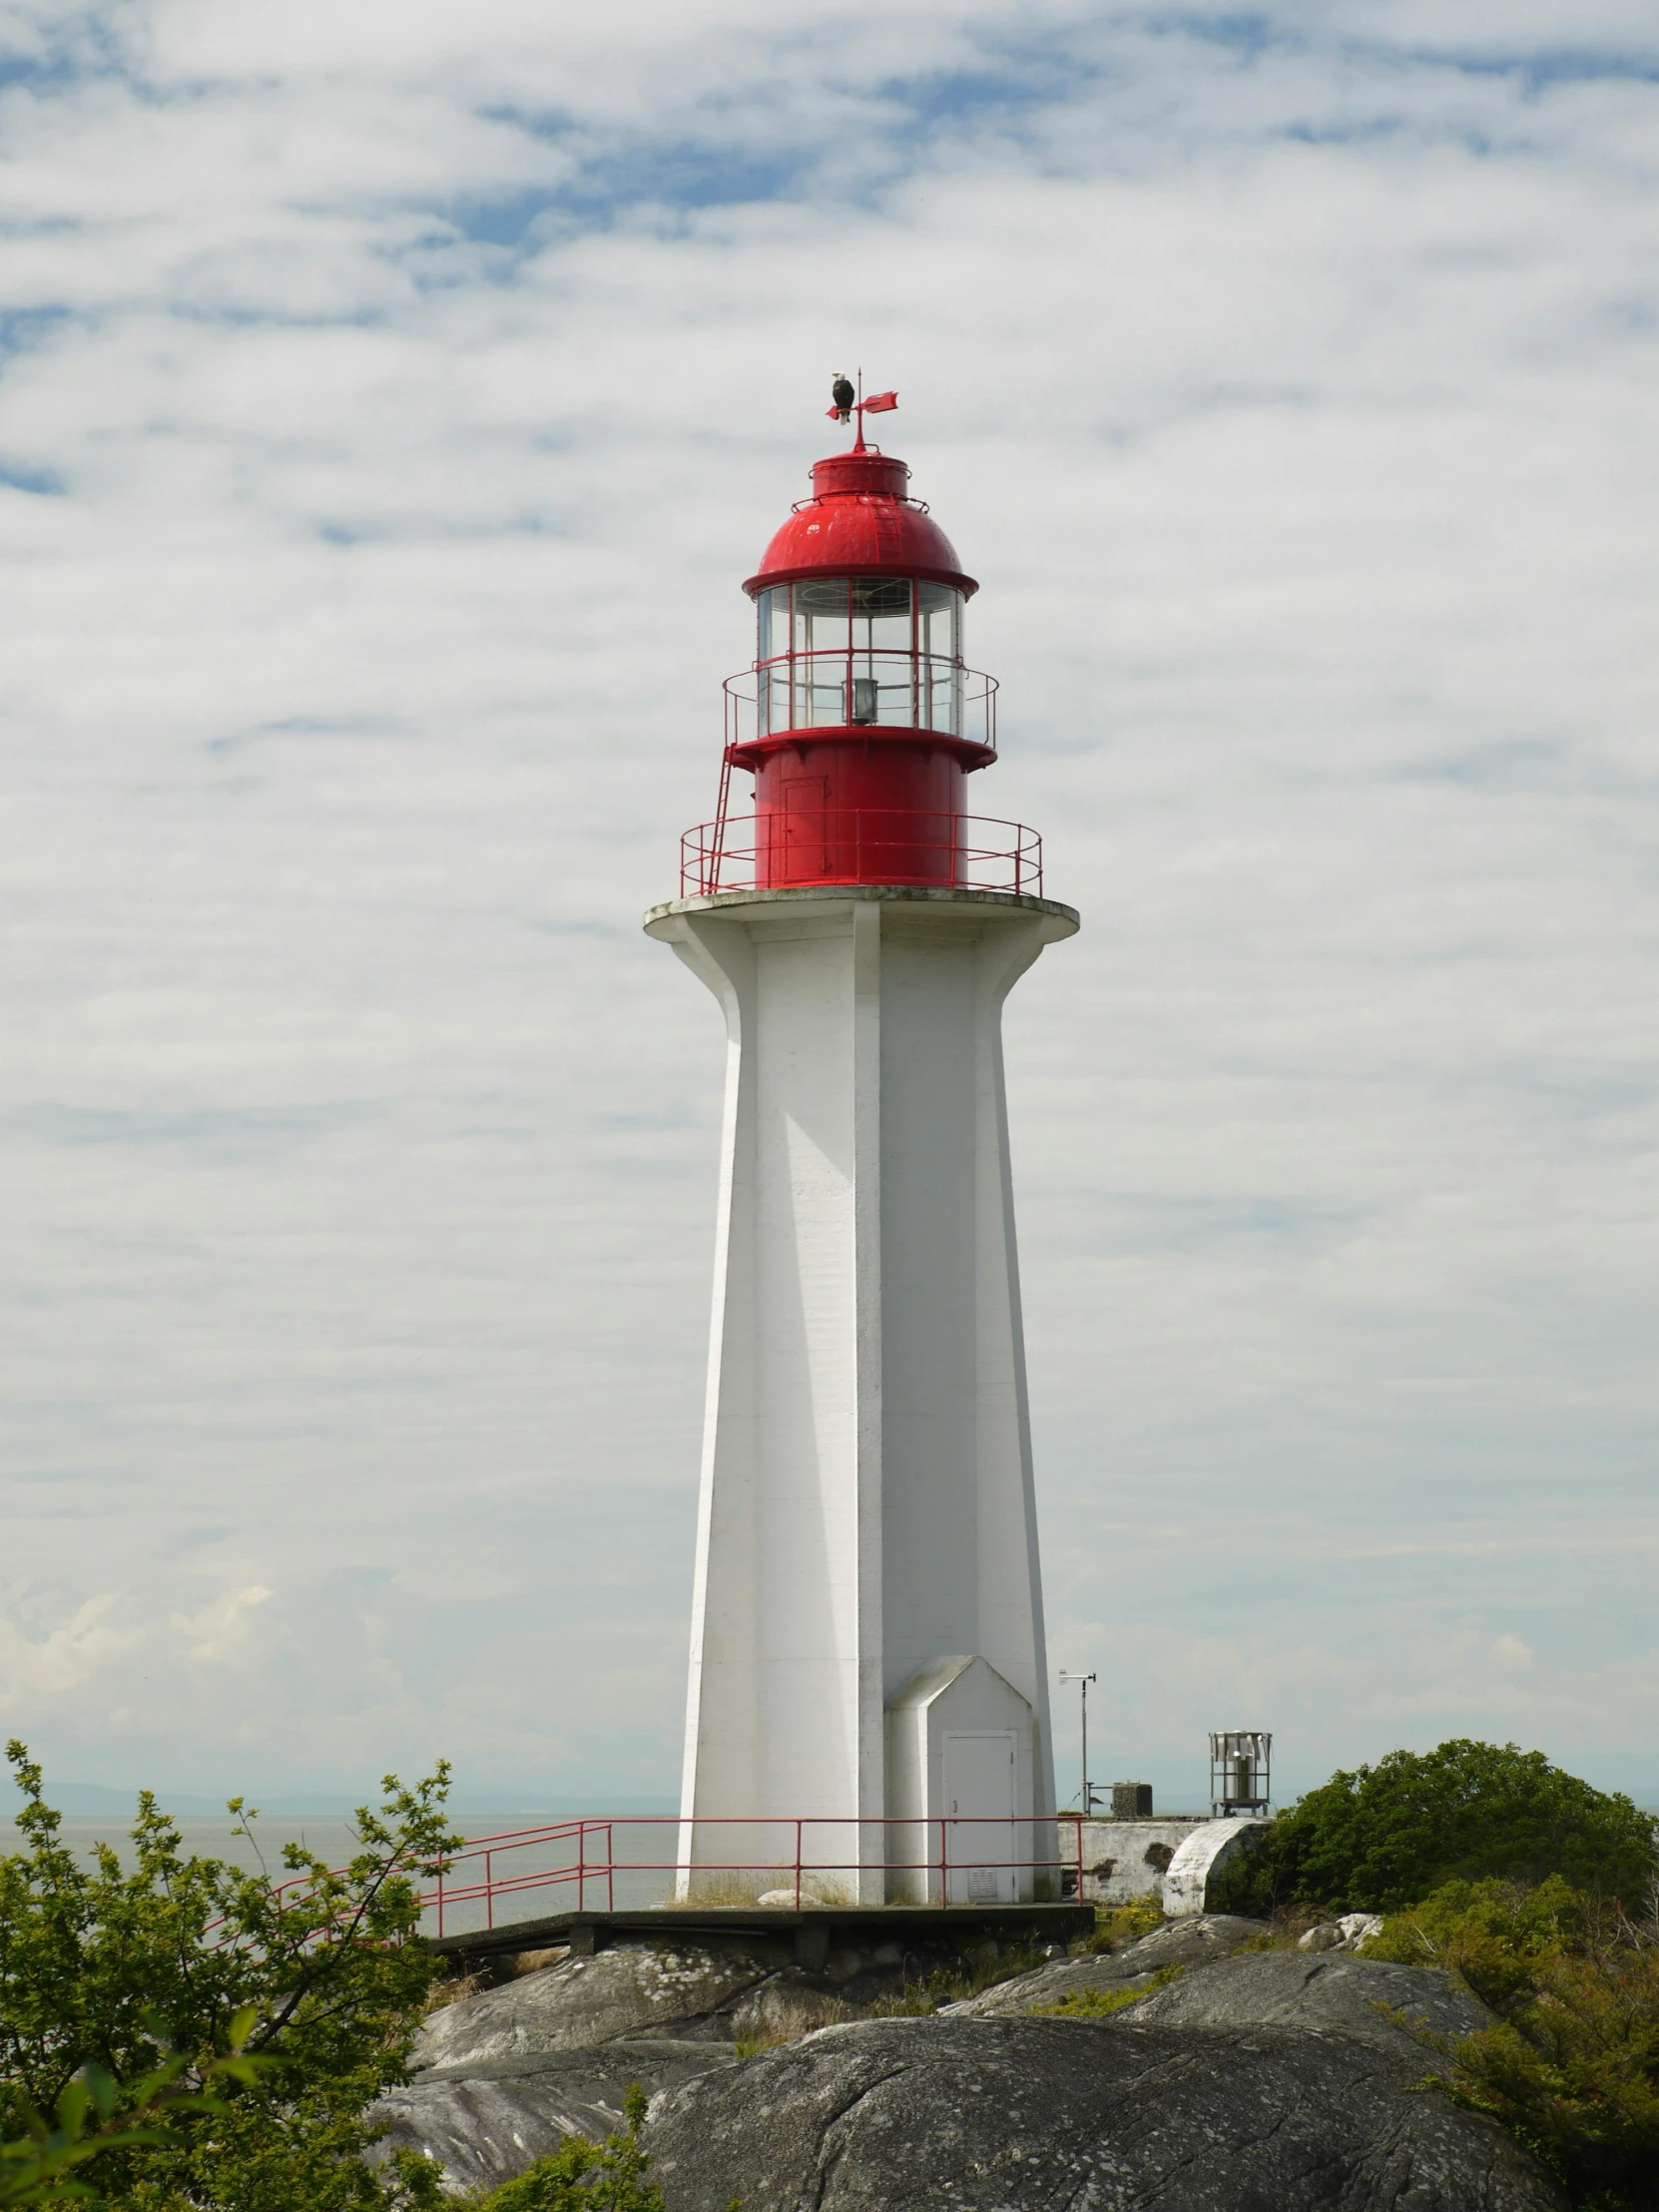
x,y
1116,1926
94,2113
584,2177
1572,2065
1382,1836
1100,2004
1494,1931
917,1999
1245,1881
101,1968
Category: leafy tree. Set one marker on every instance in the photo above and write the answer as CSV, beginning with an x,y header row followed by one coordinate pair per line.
x,y
96,2114
1384,1837
118,1971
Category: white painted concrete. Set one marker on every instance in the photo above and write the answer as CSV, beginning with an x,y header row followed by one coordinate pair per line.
x,y
956,1702
867,1503
1202,1857
1126,1860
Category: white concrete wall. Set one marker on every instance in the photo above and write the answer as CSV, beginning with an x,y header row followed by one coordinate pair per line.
x,y
867,1503
1126,1860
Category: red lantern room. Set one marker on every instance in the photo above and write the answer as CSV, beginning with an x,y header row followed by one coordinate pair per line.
x,y
859,721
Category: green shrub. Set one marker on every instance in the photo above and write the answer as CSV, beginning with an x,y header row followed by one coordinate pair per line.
x,y
1571,2065
1490,1931
1382,1838
107,1976
584,2177
1116,1926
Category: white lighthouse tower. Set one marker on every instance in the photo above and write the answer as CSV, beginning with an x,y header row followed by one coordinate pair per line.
x,y
868,1632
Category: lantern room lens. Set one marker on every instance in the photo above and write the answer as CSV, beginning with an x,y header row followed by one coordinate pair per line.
x,y
881,614
860,650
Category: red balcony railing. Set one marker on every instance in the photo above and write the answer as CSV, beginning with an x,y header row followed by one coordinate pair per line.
x,y
958,1860
868,844
633,1860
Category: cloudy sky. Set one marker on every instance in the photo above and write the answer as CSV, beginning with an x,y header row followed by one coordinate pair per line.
x,y
391,402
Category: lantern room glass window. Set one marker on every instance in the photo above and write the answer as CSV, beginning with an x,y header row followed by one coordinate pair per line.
x,y
882,651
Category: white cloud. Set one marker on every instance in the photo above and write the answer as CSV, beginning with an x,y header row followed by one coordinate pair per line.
x,y
419,387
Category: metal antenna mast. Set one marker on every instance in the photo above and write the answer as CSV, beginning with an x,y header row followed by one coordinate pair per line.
x,y
1084,1681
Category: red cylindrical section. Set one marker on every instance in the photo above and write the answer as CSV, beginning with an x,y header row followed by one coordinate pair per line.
x,y
851,810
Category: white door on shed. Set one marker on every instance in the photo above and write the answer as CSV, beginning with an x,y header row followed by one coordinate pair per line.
x,y
980,1785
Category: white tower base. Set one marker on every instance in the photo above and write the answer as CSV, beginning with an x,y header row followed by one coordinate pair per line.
x,y
866,1631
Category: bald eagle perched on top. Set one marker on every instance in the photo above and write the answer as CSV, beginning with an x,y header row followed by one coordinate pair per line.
x,y
842,392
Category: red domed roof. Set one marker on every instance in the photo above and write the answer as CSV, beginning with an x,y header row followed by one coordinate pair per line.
x,y
858,522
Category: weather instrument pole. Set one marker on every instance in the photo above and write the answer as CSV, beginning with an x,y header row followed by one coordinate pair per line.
x,y
1084,1681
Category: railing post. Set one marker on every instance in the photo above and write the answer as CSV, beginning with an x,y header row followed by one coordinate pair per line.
x,y
581,1866
610,1868
797,1828
945,1859
489,1888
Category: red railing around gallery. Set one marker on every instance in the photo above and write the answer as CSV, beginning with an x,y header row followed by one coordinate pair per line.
x,y
959,1859
578,1865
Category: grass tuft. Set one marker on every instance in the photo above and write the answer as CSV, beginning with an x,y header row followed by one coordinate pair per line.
x,y
917,1999
1117,1926
1100,2004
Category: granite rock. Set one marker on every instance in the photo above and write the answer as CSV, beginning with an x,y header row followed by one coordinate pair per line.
x,y
1363,2000
1054,2116
1199,1939
582,2002
484,2126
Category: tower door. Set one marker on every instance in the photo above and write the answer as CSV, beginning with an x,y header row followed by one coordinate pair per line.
x,y
807,829
980,1786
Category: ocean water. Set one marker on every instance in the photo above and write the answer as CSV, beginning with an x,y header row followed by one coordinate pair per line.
x,y
628,1865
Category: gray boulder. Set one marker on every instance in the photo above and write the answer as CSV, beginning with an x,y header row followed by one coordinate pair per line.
x,y
1353,1932
582,2004
1321,1995
1193,1941
1047,2115
484,2127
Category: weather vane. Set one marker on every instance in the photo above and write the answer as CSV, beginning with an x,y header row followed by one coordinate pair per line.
x,y
849,401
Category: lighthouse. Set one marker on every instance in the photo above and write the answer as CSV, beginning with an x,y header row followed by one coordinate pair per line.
x,y
868,1656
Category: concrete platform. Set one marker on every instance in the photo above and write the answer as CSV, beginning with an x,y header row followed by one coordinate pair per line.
x,y
813,1933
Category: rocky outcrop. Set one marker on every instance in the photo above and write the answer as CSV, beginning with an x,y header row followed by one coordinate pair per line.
x,y
1256,2081
1351,1933
581,2004
484,2126
1054,2116
1189,1943
505,2075
1363,2000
